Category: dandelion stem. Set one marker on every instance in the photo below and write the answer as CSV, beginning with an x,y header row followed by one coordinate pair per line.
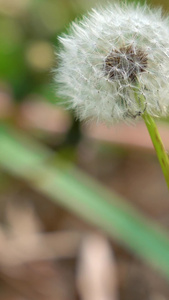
x,y
158,145
154,134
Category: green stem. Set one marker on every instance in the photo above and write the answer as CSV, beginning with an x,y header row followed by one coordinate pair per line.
x,y
158,145
154,134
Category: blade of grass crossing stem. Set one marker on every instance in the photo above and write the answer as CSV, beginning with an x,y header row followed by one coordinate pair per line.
x,y
83,196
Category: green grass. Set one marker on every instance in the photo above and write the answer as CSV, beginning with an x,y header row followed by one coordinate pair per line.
x,y
80,194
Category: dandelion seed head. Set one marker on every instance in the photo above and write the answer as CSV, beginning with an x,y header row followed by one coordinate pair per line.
x,y
111,55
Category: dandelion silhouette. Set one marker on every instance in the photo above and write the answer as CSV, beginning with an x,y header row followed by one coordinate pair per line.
x,y
114,66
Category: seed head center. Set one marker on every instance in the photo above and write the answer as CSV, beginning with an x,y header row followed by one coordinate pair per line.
x,y
125,63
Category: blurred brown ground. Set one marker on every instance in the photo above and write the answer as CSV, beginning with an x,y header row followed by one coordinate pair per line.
x,y
131,170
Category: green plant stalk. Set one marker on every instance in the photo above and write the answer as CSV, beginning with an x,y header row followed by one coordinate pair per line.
x,y
80,194
158,145
154,134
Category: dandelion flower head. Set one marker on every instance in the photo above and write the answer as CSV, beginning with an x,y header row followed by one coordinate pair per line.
x,y
114,64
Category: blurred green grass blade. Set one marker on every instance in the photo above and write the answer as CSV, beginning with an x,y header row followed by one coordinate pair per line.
x,y
70,188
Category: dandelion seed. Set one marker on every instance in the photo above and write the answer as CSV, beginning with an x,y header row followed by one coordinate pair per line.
x,y
111,54
125,63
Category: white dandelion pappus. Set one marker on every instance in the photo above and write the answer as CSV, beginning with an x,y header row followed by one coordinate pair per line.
x,y
111,55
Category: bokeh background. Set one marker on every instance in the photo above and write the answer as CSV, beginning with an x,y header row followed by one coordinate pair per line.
x,y
121,158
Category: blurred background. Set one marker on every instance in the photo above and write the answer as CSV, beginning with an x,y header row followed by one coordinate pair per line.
x,y
46,252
